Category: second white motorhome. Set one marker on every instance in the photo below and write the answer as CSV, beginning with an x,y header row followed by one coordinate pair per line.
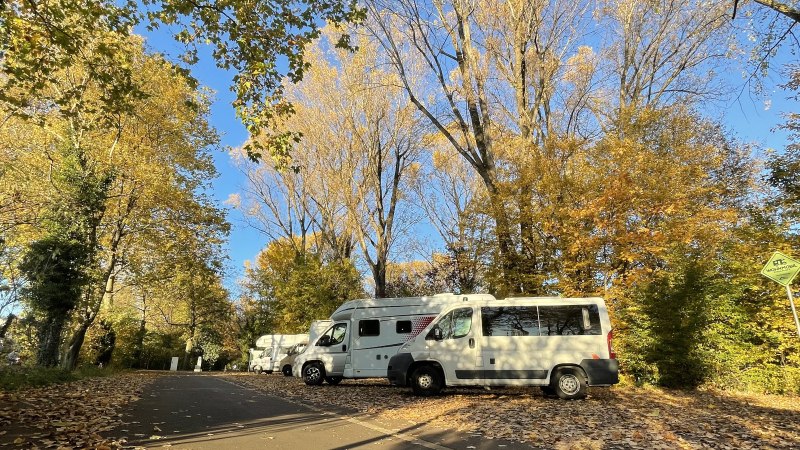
x,y
562,345
365,333
270,349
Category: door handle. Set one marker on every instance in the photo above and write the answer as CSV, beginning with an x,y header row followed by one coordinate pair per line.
x,y
471,343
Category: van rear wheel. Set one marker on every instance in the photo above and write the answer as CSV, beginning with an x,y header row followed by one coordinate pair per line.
x,y
313,374
426,381
569,383
287,370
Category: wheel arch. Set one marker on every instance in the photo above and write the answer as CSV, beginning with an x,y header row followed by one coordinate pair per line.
x,y
428,362
576,367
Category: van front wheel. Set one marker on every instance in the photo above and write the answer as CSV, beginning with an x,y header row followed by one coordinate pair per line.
x,y
569,383
313,374
426,381
287,370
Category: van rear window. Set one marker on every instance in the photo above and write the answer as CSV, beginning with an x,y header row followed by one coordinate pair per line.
x,y
542,321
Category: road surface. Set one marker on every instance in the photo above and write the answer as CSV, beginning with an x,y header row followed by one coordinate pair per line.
x,y
200,411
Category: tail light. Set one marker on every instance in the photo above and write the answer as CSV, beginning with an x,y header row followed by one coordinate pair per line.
x,y
611,353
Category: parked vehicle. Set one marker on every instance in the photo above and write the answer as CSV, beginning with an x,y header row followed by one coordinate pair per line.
x,y
288,360
317,327
366,333
270,349
562,345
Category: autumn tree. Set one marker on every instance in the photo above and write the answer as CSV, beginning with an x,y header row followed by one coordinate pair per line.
x,y
121,181
292,290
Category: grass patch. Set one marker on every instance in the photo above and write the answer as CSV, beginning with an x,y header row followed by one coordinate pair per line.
x,y
13,378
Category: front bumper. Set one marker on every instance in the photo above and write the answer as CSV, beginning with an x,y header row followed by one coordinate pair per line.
x,y
397,372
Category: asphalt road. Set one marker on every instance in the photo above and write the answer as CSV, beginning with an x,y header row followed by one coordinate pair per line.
x,y
197,411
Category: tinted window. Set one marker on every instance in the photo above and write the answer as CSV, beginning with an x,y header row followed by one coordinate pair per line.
x,y
569,320
510,321
403,326
369,327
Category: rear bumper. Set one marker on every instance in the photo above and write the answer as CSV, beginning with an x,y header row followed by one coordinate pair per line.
x,y
398,368
601,372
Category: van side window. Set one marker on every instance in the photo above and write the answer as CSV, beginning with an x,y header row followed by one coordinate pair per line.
x,y
510,321
335,334
369,327
456,324
462,322
403,327
569,320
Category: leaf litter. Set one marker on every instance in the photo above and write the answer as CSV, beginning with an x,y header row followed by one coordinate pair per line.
x,y
69,415
617,417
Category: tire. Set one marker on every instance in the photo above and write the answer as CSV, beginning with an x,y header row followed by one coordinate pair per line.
x,y
426,381
569,383
287,370
313,374
333,381
257,370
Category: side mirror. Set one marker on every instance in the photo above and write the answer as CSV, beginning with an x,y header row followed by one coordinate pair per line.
x,y
435,333
324,341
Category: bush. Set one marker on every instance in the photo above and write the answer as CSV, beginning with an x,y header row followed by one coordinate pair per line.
x,y
13,378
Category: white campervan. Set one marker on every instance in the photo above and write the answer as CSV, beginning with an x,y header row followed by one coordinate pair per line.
x,y
366,333
270,349
562,345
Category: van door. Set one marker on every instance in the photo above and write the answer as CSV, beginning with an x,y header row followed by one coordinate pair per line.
x,y
333,350
452,341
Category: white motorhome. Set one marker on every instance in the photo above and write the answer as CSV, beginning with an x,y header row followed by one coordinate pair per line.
x,y
366,333
562,345
270,349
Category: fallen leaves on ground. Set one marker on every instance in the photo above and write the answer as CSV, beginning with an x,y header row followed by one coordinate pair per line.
x,y
69,415
617,417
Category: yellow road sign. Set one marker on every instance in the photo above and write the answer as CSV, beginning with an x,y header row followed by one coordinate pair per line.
x,y
781,268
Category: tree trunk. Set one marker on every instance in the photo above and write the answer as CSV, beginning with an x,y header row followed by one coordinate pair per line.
x,y
379,275
75,344
50,339
4,329
138,345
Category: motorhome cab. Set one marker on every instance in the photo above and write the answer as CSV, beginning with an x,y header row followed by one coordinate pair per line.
x,y
560,344
366,333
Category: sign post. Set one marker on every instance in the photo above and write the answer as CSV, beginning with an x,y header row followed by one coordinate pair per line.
x,y
782,269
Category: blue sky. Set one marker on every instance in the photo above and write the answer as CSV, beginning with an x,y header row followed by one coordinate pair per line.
x,y
751,119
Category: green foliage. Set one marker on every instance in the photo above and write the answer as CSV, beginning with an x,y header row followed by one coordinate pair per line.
x,y
15,377
37,40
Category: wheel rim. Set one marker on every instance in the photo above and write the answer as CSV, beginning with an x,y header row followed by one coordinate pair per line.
x,y
313,373
425,381
569,384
